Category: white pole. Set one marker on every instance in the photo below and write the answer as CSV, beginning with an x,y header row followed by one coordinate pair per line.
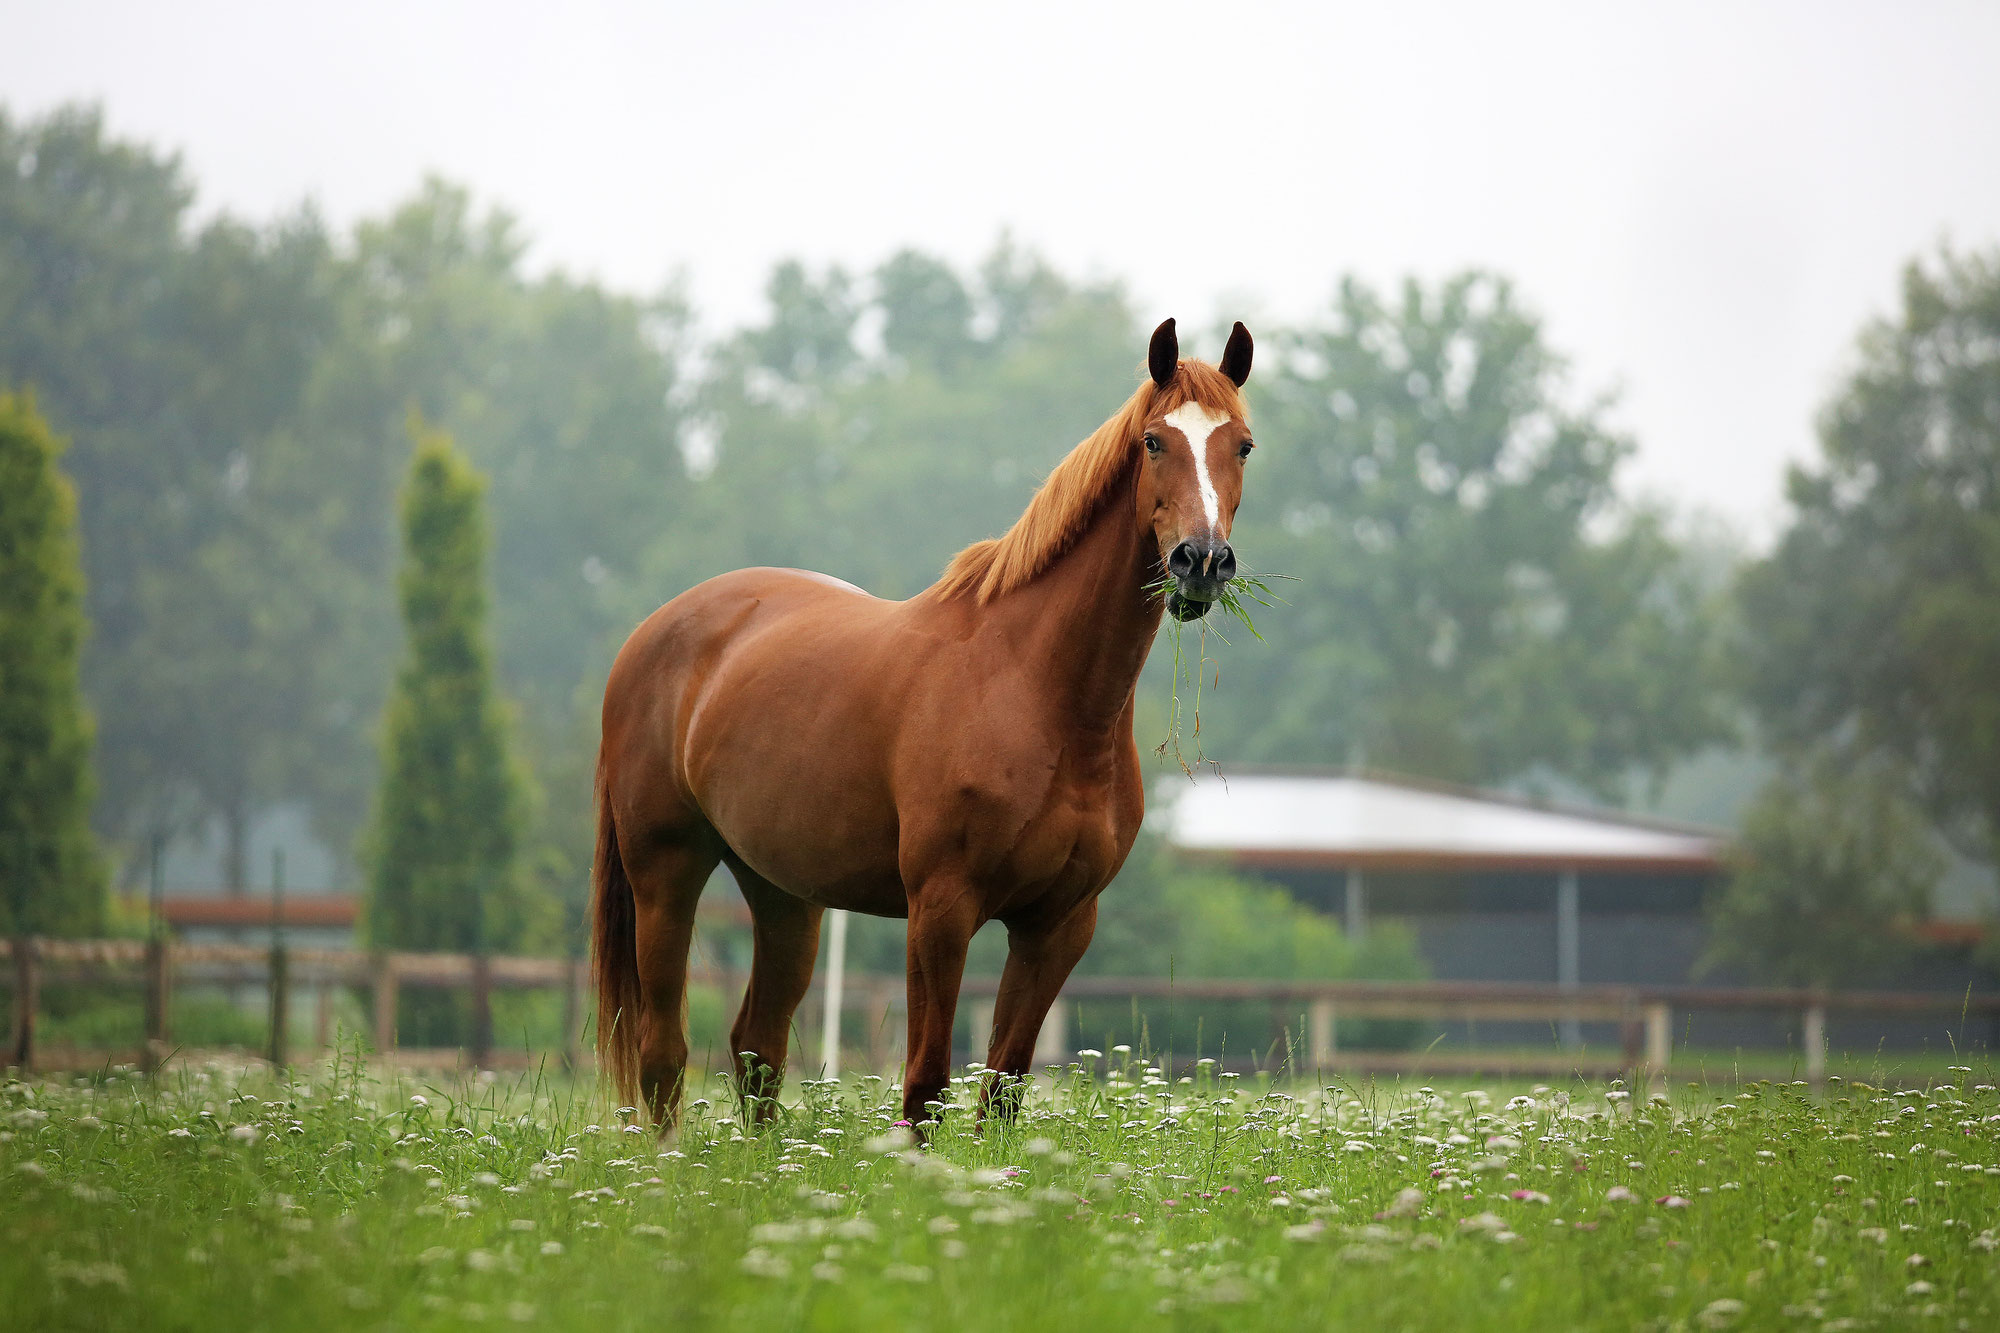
x,y
836,977
1815,1035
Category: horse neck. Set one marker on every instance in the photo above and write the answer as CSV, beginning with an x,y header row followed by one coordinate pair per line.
x,y
1088,617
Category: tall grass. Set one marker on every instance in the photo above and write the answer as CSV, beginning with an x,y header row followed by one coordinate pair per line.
x,y
1237,598
1129,1194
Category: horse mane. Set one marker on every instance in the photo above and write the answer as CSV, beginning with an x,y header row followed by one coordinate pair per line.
x,y
1066,502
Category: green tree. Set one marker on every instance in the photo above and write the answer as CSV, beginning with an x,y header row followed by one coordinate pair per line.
x,y
810,335
445,848
1473,602
176,359
927,312
216,687
1019,291
877,469
236,399
1832,865
47,855
1874,626
567,398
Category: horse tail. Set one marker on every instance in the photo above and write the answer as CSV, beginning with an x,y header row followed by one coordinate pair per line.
x,y
614,955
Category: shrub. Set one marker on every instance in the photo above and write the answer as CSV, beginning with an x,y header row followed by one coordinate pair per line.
x,y
53,883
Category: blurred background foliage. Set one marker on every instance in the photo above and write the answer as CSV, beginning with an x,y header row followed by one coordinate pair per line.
x,y
1475,599
49,866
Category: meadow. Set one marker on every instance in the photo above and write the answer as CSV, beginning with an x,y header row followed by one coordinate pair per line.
x,y
227,1196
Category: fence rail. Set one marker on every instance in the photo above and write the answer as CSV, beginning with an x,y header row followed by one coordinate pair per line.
x,y
1645,1015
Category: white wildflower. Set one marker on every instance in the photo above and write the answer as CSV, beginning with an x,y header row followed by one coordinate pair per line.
x,y
1408,1203
760,1262
1719,1313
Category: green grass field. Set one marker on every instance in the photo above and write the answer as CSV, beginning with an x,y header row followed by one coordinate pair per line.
x,y
217,1199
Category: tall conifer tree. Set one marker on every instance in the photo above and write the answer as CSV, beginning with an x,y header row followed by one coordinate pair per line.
x,y
452,799
50,878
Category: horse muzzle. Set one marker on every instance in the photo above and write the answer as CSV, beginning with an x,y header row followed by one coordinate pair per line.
x,y
1201,569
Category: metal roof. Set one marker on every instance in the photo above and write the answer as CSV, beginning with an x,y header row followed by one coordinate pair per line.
x,y
1339,819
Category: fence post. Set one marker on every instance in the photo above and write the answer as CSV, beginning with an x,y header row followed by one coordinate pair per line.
x,y
27,999
155,1049
157,974
1321,1034
482,1010
1659,1040
385,1005
280,978
280,1017
1815,1038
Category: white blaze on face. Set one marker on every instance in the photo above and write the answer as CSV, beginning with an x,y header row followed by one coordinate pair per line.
x,y
1197,423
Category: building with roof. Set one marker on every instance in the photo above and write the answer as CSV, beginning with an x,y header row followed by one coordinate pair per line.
x,y
1494,887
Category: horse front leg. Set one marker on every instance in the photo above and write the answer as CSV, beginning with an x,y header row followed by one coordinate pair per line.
x,y
1039,960
943,917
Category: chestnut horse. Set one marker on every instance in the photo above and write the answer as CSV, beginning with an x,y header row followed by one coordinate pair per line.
x,y
961,757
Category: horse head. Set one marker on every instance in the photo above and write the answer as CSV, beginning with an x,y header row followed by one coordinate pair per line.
x,y
1196,444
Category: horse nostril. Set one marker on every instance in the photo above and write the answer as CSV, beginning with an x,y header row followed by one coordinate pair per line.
x,y
1180,561
1224,564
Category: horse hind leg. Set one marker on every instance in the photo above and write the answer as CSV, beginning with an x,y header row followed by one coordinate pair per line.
x,y
666,888
785,945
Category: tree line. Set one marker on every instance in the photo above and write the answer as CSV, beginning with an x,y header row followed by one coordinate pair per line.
x,y
1472,596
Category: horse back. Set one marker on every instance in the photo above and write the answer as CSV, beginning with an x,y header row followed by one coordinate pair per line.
x,y
843,746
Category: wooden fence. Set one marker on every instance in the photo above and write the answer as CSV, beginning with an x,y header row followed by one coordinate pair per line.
x,y
1644,1016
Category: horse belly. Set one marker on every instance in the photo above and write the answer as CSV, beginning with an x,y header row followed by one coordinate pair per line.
x,y
833,852
785,753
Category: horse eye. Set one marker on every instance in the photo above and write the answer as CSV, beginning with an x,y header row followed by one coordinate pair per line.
x,y
1152,444
1244,452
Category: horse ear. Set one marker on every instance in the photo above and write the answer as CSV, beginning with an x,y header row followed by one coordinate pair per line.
x,y
1164,356
1236,356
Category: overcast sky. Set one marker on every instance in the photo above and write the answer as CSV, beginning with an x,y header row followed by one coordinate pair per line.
x,y
1705,205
